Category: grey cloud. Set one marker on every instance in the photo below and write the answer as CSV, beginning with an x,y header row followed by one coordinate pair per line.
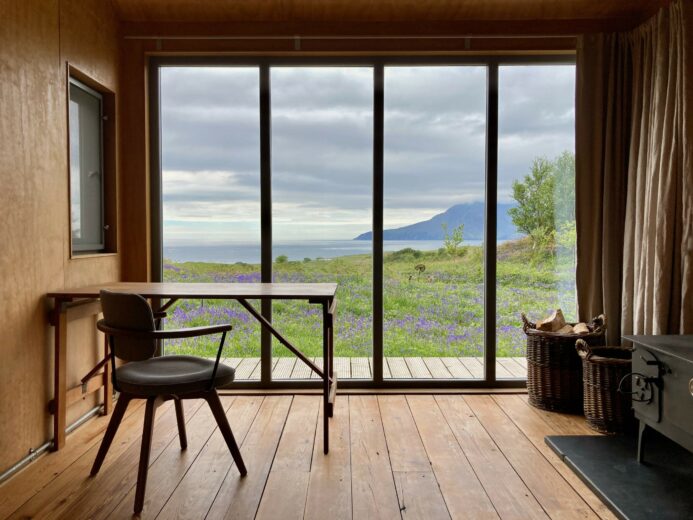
x,y
322,135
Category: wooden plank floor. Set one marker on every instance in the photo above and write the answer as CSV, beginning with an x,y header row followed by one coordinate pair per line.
x,y
394,368
391,457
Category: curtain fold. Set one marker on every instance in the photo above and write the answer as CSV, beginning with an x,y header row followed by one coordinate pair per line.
x,y
634,179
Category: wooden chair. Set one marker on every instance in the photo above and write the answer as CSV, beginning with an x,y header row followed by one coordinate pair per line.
x,y
129,326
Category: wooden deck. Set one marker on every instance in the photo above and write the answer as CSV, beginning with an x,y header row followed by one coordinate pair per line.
x,y
284,368
392,457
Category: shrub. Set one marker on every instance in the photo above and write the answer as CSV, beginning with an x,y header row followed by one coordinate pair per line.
x,y
282,259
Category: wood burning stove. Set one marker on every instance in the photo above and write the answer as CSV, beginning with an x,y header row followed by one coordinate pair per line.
x,y
662,387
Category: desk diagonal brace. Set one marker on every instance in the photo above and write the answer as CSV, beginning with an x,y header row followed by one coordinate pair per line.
x,y
280,338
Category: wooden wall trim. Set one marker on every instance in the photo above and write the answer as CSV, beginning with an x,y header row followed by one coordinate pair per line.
x,y
330,30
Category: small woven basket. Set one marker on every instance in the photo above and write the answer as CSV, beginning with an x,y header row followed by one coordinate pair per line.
x,y
606,409
554,370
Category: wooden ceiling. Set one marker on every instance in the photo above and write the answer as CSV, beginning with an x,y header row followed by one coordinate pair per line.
x,y
598,14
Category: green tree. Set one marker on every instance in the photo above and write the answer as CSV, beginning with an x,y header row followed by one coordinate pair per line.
x,y
564,189
453,240
281,259
534,214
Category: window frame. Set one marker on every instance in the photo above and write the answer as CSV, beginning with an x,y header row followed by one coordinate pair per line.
x,y
107,153
492,62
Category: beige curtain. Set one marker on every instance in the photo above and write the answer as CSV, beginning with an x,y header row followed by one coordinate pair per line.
x,y
634,177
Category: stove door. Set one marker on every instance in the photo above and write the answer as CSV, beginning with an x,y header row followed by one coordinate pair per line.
x,y
647,401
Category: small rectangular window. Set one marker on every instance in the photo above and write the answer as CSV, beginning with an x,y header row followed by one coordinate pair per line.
x,y
86,169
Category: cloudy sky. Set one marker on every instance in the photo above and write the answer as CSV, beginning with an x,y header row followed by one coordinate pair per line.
x,y
322,129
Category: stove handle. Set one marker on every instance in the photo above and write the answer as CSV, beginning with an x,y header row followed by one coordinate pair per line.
x,y
647,388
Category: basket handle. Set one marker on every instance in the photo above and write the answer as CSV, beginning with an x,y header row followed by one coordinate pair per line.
x,y
599,324
526,324
583,349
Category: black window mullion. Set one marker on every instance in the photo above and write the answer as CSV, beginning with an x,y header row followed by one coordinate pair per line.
x,y
378,184
490,226
265,218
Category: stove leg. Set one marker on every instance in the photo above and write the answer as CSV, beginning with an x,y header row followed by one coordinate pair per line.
x,y
641,432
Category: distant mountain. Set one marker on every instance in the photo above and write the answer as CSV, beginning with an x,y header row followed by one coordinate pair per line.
x,y
470,214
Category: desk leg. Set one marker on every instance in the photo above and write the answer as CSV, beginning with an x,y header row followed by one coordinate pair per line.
x,y
60,377
326,371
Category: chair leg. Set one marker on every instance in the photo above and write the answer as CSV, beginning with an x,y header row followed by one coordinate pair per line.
x,y
116,418
214,402
147,431
180,417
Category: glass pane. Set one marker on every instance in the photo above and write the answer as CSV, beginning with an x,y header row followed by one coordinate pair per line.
x,y
322,163
75,178
210,151
435,131
536,202
86,190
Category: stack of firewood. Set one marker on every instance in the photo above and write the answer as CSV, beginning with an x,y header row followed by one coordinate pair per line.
x,y
556,323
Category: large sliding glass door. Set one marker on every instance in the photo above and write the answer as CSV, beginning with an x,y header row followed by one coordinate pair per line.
x,y
434,192
210,191
404,182
322,171
536,202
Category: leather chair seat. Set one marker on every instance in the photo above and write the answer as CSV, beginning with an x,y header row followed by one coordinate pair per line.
x,y
176,375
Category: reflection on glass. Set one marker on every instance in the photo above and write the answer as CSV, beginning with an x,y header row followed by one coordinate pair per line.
x,y
435,127
210,151
322,163
75,177
536,183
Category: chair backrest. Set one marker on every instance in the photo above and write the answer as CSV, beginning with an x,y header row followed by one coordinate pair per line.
x,y
129,312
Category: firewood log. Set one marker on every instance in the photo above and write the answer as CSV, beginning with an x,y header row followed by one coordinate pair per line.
x,y
553,323
581,328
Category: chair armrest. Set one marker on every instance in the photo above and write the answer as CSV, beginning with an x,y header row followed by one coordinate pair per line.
x,y
163,334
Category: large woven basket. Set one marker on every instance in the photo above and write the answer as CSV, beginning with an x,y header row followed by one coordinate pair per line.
x,y
606,409
554,369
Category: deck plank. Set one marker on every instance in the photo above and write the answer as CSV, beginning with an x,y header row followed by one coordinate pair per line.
x,y
360,368
386,368
475,367
301,370
393,368
437,368
417,368
515,370
398,368
318,363
456,368
283,368
342,366
501,371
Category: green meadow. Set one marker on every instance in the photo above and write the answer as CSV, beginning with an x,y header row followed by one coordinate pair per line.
x,y
433,302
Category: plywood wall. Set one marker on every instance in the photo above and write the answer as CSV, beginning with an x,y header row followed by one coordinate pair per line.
x,y
37,39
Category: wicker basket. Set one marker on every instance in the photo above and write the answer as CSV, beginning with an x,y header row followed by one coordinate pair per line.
x,y
607,410
554,370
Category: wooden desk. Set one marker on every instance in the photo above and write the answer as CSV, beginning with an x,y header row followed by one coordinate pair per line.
x,y
322,294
